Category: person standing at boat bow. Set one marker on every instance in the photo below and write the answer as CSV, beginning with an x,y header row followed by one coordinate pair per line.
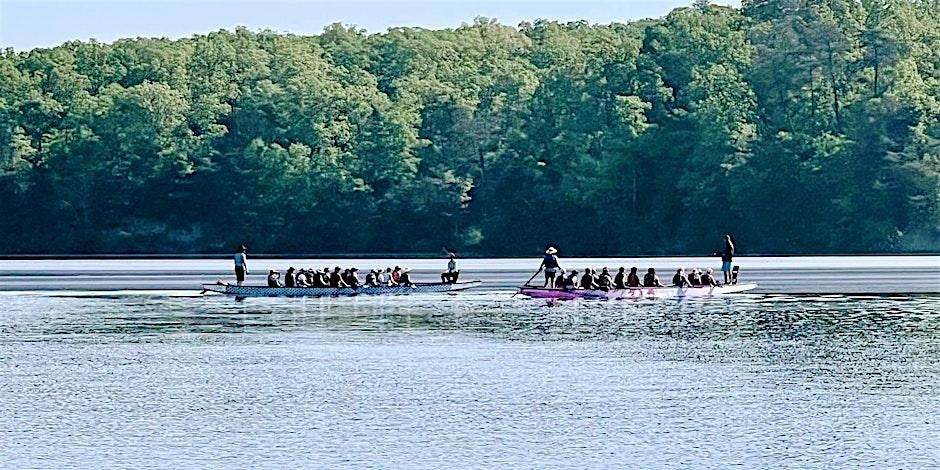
x,y
241,264
551,266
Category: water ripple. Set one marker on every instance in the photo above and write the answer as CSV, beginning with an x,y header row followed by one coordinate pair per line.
x,y
482,380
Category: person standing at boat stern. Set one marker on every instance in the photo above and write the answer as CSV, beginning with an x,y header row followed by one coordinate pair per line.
x,y
726,255
551,265
241,264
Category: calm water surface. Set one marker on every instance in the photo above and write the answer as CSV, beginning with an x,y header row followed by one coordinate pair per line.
x,y
477,380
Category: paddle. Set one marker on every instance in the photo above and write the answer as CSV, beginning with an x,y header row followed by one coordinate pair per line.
x,y
530,280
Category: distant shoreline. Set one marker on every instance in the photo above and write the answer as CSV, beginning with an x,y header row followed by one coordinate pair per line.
x,y
424,256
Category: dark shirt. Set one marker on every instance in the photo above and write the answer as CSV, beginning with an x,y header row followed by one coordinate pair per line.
x,y
680,280
633,280
289,280
650,280
405,278
587,281
550,262
728,253
708,280
273,282
335,279
619,281
694,279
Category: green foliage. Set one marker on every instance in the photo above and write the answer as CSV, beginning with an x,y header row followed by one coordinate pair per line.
x,y
802,126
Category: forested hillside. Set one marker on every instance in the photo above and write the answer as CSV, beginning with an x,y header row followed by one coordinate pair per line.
x,y
802,126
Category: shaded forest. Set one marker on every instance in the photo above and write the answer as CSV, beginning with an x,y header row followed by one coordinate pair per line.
x,y
802,126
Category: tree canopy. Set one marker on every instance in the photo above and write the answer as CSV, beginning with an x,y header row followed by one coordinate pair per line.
x,y
801,126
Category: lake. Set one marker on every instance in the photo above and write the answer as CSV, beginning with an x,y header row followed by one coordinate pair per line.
x,y
110,364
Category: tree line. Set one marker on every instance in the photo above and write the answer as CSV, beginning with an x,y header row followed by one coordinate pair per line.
x,y
801,126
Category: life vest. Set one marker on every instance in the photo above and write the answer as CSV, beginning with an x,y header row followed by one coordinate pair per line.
x,y
550,262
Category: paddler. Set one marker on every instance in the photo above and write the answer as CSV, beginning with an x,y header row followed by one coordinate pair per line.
x,y
679,279
620,280
290,278
274,278
587,280
633,279
605,281
405,277
551,266
651,279
571,281
708,279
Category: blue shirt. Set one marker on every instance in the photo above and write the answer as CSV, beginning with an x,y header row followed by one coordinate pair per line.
x,y
240,259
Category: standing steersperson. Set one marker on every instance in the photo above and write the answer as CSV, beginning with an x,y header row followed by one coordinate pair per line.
x,y
727,254
551,265
241,264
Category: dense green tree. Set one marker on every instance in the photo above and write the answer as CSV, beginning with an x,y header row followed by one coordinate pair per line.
x,y
802,126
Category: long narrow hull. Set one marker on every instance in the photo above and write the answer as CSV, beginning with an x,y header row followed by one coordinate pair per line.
x,y
261,291
635,293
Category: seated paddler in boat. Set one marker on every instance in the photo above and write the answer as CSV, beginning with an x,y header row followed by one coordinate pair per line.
x,y
274,278
605,281
695,277
300,278
336,279
651,279
620,280
314,278
571,280
587,280
384,278
289,277
317,278
352,278
396,276
679,279
371,279
551,266
450,276
633,279
708,279
404,278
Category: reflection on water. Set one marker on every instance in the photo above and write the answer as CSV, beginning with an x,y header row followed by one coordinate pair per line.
x,y
479,379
